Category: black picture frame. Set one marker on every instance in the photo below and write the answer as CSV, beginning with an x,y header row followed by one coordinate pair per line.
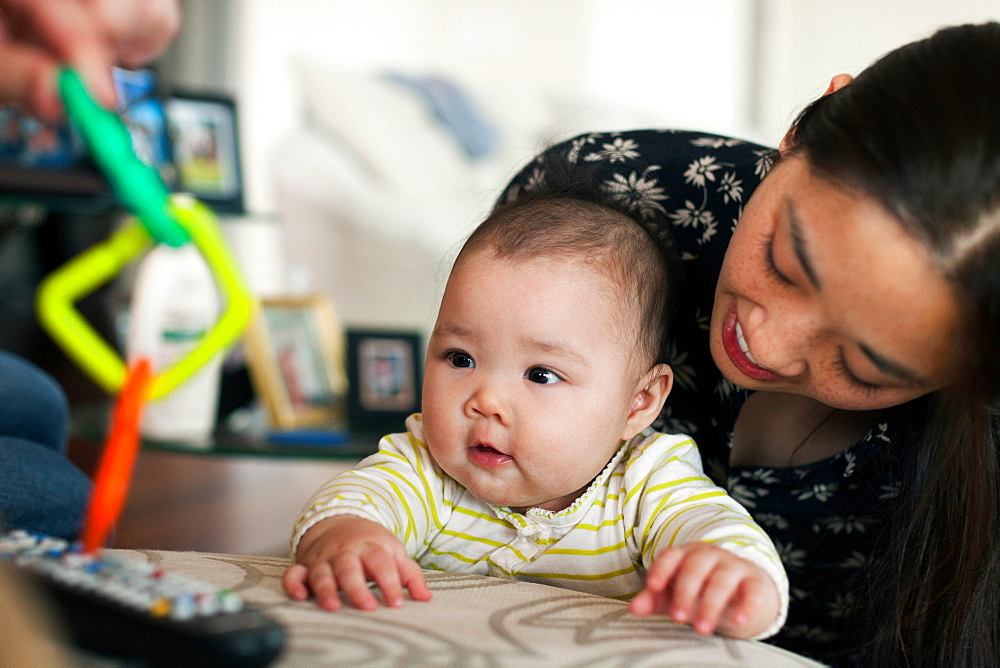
x,y
204,139
384,376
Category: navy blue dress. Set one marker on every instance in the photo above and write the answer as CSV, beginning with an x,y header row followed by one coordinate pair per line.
x,y
824,517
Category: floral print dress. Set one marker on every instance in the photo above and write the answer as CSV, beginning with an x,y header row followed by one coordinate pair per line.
x,y
824,517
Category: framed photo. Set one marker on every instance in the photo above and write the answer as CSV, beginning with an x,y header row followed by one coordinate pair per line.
x,y
384,378
205,147
295,354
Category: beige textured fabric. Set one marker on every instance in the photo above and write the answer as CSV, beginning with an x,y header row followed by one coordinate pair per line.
x,y
471,620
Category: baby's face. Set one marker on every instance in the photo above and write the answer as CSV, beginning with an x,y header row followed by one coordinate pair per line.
x,y
528,384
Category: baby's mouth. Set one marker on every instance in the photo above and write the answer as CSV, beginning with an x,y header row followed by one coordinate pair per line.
x,y
487,456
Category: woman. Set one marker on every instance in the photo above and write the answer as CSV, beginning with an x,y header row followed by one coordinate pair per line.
x,y
835,351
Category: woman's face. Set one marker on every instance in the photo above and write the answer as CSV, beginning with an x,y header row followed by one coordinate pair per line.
x,y
823,294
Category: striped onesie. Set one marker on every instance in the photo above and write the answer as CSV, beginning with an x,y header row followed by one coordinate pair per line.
x,y
651,495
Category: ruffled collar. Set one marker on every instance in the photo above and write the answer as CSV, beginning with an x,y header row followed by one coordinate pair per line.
x,y
569,514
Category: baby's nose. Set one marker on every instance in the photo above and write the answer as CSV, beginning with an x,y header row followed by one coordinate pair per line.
x,y
487,401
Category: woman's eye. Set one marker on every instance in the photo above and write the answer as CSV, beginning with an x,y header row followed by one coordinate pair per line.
x,y
769,265
846,374
461,360
542,376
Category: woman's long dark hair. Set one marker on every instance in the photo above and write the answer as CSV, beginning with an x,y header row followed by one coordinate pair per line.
x,y
919,131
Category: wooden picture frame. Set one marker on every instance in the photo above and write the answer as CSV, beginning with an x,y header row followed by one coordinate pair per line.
x,y
204,141
295,354
384,378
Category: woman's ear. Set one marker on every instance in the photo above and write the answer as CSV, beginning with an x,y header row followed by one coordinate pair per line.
x,y
836,83
647,401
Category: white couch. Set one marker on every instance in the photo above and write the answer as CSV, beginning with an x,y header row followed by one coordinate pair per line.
x,y
376,195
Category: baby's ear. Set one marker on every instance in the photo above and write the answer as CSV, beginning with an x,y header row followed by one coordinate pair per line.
x,y
648,399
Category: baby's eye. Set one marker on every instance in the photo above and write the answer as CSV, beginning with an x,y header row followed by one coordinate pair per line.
x,y
542,376
460,360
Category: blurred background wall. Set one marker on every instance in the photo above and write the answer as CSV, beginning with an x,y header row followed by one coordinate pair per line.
x,y
731,66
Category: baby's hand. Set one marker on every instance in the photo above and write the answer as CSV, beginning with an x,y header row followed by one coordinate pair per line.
x,y
710,588
342,554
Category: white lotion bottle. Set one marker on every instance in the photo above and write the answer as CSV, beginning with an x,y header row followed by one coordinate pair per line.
x,y
175,301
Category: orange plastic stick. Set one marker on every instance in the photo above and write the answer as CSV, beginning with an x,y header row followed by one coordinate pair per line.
x,y
115,470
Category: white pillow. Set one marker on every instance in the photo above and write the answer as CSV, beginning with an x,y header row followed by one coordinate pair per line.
x,y
390,130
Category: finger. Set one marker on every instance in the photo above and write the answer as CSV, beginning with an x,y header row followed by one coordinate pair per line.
x,y
413,580
384,572
716,594
663,568
653,601
354,584
294,582
139,31
643,603
749,598
67,31
688,580
28,79
323,583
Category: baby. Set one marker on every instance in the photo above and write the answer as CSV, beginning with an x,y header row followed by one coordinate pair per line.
x,y
533,457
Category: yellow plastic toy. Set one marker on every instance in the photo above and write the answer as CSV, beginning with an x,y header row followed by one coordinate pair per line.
x,y
161,217
88,271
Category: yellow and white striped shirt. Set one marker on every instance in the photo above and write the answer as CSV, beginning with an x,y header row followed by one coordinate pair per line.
x,y
651,495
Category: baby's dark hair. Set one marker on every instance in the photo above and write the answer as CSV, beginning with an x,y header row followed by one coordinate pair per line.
x,y
571,215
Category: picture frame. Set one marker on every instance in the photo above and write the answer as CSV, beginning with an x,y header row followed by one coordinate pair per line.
x,y
204,141
384,373
295,354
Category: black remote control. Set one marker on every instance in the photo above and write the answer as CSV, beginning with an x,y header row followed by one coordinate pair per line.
x,y
125,608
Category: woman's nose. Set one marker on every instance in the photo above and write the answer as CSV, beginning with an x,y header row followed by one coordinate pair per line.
x,y
487,400
783,337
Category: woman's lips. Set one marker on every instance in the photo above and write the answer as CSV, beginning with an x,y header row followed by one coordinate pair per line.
x,y
488,457
737,350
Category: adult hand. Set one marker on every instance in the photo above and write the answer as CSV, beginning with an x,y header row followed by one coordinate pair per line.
x,y
343,553
38,36
711,589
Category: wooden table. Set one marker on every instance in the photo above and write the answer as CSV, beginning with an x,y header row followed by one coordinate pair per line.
x,y
470,621
232,493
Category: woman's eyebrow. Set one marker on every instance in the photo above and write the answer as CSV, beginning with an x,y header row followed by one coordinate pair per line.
x,y
891,368
881,362
799,245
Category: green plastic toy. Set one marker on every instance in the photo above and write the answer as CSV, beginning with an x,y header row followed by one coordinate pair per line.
x,y
137,184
